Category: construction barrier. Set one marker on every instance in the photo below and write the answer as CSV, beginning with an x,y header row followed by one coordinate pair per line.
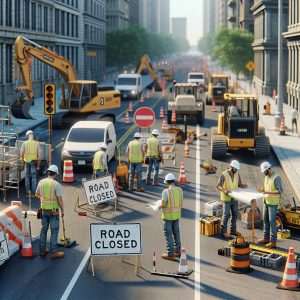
x,y
68,175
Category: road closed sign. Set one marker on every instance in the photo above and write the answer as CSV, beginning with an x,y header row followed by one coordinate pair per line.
x,y
4,255
144,117
115,239
99,190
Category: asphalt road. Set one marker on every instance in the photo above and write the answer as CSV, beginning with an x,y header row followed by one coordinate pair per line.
x,y
49,279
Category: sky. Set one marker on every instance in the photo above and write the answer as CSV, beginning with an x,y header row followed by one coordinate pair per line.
x,y
192,10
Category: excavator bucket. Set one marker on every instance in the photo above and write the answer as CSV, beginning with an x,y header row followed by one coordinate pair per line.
x,y
20,109
156,86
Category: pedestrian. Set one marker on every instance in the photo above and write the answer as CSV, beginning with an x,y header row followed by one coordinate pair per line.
x,y
294,115
49,191
272,189
171,206
154,152
135,156
30,153
230,180
100,162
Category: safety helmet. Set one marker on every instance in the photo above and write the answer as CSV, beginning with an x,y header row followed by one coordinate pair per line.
x,y
103,146
235,164
169,176
265,166
53,168
155,132
137,135
29,132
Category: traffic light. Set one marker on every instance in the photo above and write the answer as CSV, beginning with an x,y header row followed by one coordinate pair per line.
x,y
49,99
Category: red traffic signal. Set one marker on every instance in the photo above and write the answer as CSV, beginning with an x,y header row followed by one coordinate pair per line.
x,y
49,99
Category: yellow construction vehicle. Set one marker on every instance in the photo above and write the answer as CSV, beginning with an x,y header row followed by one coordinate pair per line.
x,y
84,96
218,86
146,63
238,127
164,70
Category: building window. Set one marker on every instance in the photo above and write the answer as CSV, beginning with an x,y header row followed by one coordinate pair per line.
x,y
68,24
51,19
17,13
76,26
33,16
1,12
8,12
9,61
1,62
72,24
46,19
26,14
40,18
56,21
62,25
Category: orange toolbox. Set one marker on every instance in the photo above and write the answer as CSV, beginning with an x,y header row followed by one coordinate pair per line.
x,y
210,226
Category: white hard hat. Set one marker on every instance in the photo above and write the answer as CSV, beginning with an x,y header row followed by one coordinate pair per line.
x,y
29,132
103,146
169,176
137,135
155,132
53,168
265,166
235,164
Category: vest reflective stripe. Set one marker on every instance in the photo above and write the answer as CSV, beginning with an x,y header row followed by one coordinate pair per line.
x,y
31,150
172,211
135,152
47,194
152,146
97,162
269,186
229,185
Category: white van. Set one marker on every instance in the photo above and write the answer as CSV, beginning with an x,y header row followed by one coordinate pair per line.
x,y
196,77
129,85
84,139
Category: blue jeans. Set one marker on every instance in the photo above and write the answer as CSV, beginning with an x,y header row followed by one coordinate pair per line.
x,y
31,172
155,163
100,173
230,206
54,226
172,235
135,167
269,213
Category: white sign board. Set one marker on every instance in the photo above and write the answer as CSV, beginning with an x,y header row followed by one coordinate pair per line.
x,y
4,255
99,190
115,239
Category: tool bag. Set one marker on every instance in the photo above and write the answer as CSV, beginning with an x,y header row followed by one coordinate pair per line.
x,y
246,218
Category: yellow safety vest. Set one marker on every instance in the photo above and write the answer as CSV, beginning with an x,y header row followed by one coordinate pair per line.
x,y
172,211
135,152
269,186
97,162
31,150
47,193
229,185
152,146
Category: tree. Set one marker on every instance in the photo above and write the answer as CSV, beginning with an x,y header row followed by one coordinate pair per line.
x,y
206,44
232,48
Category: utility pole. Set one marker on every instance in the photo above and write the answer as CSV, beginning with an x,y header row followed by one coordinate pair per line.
x,y
279,112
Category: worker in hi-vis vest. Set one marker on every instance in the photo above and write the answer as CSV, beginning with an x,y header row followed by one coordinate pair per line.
x,y
230,180
30,153
135,156
154,152
49,191
171,206
100,162
272,189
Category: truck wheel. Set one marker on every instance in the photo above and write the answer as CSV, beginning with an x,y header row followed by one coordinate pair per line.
x,y
262,147
169,117
200,118
209,100
218,146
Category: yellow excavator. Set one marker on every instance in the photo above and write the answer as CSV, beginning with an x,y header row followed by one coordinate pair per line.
x,y
146,63
85,99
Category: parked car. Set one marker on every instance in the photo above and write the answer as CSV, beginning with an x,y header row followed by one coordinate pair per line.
x,y
129,85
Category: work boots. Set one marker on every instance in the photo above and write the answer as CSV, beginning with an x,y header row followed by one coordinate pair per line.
x,y
226,235
263,241
57,255
43,252
271,245
235,232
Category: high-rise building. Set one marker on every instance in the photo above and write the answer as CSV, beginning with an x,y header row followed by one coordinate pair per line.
x,y
150,15
209,16
117,14
164,16
134,12
221,13
179,27
246,15
233,13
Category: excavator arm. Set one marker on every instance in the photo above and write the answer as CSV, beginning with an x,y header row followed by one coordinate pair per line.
x,y
23,56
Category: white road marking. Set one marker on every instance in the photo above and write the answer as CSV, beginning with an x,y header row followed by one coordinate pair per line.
x,y
76,275
197,216
144,117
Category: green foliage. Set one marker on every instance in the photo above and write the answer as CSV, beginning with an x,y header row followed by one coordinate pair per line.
x,y
232,48
206,44
127,46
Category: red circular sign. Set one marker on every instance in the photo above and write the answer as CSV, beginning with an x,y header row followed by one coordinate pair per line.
x,y
144,117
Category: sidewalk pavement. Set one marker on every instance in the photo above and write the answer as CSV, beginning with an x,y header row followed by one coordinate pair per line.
x,y
287,147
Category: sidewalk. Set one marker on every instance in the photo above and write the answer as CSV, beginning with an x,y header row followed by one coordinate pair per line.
x,y
286,148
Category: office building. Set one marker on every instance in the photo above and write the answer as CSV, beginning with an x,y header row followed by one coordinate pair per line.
x,y
117,14
179,28
209,16
246,15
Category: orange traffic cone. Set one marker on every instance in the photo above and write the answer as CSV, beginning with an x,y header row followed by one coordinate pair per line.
x,y
68,175
164,126
183,268
127,121
161,112
115,183
153,90
282,127
141,99
182,178
186,149
27,250
173,118
213,107
290,279
130,107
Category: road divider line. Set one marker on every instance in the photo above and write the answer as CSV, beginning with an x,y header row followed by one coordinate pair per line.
x,y
76,275
197,216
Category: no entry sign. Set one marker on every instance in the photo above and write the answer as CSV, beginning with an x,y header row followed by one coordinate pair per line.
x,y
144,117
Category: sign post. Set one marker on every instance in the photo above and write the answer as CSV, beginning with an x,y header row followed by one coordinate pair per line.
x,y
144,117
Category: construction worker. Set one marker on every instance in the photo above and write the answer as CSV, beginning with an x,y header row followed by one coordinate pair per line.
x,y
49,191
230,180
272,189
100,162
233,109
171,206
135,156
154,152
30,153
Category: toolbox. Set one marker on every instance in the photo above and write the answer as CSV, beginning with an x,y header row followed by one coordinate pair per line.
x,y
210,226
246,218
213,208
283,234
